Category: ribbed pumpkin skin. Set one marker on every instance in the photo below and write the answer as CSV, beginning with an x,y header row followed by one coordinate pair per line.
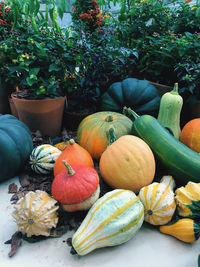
x,y
188,200
159,203
43,158
92,131
139,95
74,154
76,188
128,163
190,135
112,220
15,146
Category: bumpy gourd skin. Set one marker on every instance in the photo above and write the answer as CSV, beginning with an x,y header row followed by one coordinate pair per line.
x,y
170,109
15,146
188,200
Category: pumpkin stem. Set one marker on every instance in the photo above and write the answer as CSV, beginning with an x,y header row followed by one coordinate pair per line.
x,y
109,118
111,136
128,111
175,89
70,171
71,141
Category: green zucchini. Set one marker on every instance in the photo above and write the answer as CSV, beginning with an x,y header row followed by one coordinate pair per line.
x,y
181,162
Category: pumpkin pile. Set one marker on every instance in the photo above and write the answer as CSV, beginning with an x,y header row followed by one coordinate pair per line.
x,y
124,150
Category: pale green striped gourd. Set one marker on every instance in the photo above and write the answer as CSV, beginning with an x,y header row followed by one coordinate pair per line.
x,y
112,220
159,201
43,157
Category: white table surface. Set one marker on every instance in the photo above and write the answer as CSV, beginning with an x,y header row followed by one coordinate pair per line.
x,y
148,248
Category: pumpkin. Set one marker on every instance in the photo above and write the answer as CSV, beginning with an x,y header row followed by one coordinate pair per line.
x,y
170,110
73,154
188,200
43,157
186,230
15,146
190,135
158,200
127,163
112,220
76,188
139,95
36,213
92,131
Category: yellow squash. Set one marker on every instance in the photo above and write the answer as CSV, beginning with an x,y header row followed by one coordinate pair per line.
x,y
186,230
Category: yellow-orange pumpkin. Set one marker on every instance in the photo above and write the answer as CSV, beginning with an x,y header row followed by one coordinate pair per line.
x,y
92,131
74,154
128,163
190,134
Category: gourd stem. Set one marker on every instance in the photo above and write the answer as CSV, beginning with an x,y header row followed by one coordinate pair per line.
x,y
71,141
128,111
109,118
111,136
70,171
175,89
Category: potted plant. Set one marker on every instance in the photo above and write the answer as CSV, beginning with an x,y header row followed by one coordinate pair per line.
x,y
34,67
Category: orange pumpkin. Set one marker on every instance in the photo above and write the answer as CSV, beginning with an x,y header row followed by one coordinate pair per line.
x,y
92,131
73,154
128,163
190,134
76,187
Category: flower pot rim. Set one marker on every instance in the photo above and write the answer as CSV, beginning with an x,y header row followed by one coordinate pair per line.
x,y
13,95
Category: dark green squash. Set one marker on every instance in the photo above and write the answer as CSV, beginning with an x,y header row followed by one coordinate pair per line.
x,y
139,95
15,146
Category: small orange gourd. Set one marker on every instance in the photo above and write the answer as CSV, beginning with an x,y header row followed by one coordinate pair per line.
x,y
190,135
127,163
185,230
76,187
74,154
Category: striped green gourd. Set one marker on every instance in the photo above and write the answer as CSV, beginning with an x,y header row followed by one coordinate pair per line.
x,y
112,220
43,157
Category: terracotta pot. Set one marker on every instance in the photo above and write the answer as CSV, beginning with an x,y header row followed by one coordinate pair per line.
x,y
44,115
13,109
161,88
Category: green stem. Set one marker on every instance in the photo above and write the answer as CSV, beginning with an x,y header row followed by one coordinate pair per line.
x,y
129,112
55,20
175,89
109,118
111,136
33,23
70,171
46,14
71,142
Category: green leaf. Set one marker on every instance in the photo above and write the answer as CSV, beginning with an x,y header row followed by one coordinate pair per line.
x,y
54,67
34,71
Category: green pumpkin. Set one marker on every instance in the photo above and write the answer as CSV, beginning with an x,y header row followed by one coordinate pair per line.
x,y
15,146
139,95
